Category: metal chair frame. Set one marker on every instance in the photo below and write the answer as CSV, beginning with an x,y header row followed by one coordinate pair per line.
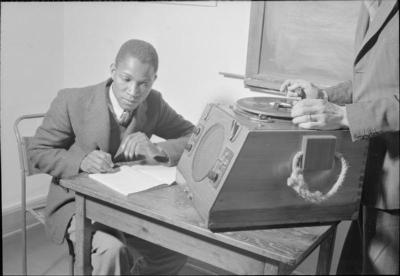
x,y
37,211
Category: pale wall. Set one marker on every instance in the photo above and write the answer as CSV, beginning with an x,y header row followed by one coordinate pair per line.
x,y
194,44
49,46
31,70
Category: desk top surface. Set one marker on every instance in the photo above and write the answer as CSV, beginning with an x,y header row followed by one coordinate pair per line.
x,y
170,205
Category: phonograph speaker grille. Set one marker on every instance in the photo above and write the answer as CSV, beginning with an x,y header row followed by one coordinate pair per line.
x,y
208,151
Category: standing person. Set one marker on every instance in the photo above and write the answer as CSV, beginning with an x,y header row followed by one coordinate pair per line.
x,y
369,106
87,130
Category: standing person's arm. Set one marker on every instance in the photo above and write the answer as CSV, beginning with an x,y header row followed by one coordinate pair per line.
x,y
339,94
373,117
321,108
364,119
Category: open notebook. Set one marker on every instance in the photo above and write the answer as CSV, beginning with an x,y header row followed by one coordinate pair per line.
x,y
132,179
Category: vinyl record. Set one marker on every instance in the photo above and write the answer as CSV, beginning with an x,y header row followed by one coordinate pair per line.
x,y
265,107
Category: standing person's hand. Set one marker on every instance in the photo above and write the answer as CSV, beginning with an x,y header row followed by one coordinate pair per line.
x,y
303,89
319,114
138,146
97,161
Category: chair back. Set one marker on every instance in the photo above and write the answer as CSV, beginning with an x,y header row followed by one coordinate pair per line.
x,y
23,142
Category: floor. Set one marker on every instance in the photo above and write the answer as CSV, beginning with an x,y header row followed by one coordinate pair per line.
x,y
47,258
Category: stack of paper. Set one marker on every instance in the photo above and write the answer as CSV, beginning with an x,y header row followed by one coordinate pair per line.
x,y
132,179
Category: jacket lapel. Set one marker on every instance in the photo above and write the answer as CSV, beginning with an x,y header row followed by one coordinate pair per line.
x,y
382,14
362,26
98,118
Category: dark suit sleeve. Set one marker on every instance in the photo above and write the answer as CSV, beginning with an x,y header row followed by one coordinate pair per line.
x,y
52,150
175,129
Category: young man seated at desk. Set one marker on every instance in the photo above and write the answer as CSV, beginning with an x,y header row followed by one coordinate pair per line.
x,y
86,130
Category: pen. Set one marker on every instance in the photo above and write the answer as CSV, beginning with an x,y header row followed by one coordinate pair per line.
x,y
113,164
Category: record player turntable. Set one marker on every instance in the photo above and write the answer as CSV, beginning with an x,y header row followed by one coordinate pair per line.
x,y
264,108
247,166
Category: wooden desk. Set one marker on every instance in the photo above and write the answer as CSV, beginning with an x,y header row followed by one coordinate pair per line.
x,y
165,216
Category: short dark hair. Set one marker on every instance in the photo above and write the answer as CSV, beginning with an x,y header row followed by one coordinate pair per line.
x,y
139,49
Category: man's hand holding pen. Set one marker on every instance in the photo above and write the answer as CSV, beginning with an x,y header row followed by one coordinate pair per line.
x,y
135,146
97,161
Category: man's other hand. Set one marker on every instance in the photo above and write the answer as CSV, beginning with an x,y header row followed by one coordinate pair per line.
x,y
97,162
138,146
319,114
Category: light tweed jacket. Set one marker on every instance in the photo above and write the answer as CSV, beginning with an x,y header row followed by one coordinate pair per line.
x,y
372,102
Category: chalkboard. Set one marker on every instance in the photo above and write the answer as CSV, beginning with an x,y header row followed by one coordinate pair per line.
x,y
311,40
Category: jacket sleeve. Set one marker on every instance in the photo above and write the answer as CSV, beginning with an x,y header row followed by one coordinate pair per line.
x,y
53,149
341,93
373,117
175,129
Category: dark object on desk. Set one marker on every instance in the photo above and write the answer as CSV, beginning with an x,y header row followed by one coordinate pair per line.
x,y
119,158
253,171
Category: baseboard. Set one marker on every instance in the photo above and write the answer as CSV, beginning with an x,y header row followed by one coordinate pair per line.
x,y
11,217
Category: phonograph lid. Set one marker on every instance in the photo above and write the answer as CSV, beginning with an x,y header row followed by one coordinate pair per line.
x,y
263,108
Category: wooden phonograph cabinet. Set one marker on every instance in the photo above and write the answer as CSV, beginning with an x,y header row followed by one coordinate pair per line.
x,y
248,166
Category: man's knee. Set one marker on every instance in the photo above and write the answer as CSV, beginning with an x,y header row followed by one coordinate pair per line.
x,y
167,263
104,243
110,255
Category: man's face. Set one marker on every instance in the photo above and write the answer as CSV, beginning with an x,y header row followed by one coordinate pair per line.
x,y
132,82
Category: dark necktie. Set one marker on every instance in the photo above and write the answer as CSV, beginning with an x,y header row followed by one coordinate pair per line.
x,y
125,118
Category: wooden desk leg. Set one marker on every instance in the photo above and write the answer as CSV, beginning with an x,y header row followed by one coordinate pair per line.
x,y
83,238
275,269
326,252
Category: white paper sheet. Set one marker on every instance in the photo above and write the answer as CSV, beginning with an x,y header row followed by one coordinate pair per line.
x,y
133,179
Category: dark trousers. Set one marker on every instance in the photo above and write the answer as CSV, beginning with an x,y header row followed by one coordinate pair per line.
x,y
372,243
